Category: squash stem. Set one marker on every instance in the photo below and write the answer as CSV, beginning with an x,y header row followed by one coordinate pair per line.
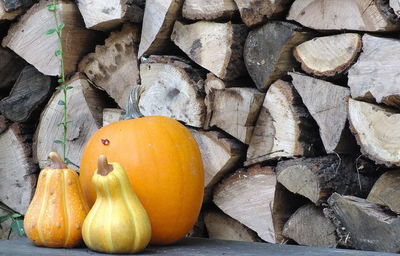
x,y
103,167
56,160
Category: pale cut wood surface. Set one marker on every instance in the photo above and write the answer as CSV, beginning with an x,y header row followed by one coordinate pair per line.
x,y
369,227
84,112
209,9
395,5
255,12
284,127
28,38
362,15
248,197
217,47
376,131
327,104
221,226
328,55
386,191
111,115
10,67
17,171
309,226
177,86
104,15
158,22
375,75
114,66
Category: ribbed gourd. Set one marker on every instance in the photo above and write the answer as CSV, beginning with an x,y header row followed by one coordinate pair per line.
x,y
56,213
117,222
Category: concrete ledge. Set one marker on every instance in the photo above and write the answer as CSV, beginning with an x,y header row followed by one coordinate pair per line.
x,y
191,247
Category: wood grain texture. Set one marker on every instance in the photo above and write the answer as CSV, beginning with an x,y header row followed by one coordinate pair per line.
x,y
28,38
111,115
328,55
361,15
386,191
376,131
209,9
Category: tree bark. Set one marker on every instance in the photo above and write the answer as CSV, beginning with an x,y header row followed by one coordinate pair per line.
x,y
10,67
11,9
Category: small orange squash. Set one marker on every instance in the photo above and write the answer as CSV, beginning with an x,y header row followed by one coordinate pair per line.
x,y
57,211
164,166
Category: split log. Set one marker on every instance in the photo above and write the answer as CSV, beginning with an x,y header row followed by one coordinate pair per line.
x,y
255,12
221,226
85,106
209,9
158,22
395,5
284,127
375,75
29,40
4,123
217,47
329,55
358,15
309,226
248,196
369,227
106,15
30,91
10,67
220,155
327,104
317,178
175,84
111,115
386,191
235,110
114,66
376,131
17,170
10,9
268,51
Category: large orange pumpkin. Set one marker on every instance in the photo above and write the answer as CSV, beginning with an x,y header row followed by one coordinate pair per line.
x,y
164,166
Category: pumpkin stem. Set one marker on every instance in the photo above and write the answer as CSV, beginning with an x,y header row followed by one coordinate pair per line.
x,y
132,108
56,160
103,167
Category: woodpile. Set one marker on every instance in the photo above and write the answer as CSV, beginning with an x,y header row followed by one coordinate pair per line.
x,y
295,106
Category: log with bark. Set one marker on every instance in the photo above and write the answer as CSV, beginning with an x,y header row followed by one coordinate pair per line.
x,y
220,155
217,47
359,15
10,67
329,55
369,226
113,67
327,104
172,87
111,115
386,191
248,197
158,22
11,9
309,226
85,105
317,178
255,12
234,110
221,226
375,75
106,15
30,91
17,170
209,9
29,40
4,123
284,127
376,131
268,51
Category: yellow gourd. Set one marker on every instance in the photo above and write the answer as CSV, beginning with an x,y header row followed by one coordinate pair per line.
x,y
117,222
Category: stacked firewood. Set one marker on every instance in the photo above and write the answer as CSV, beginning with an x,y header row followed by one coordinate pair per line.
x,y
294,103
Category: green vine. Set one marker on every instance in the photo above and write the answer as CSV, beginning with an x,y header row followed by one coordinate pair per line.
x,y
52,7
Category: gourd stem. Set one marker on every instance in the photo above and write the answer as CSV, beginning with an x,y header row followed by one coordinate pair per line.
x,y
132,108
103,167
56,160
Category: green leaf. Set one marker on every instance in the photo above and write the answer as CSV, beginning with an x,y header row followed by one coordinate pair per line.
x,y
17,226
59,88
67,161
51,7
61,27
51,31
15,215
60,80
4,218
61,102
57,53
59,142
68,88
